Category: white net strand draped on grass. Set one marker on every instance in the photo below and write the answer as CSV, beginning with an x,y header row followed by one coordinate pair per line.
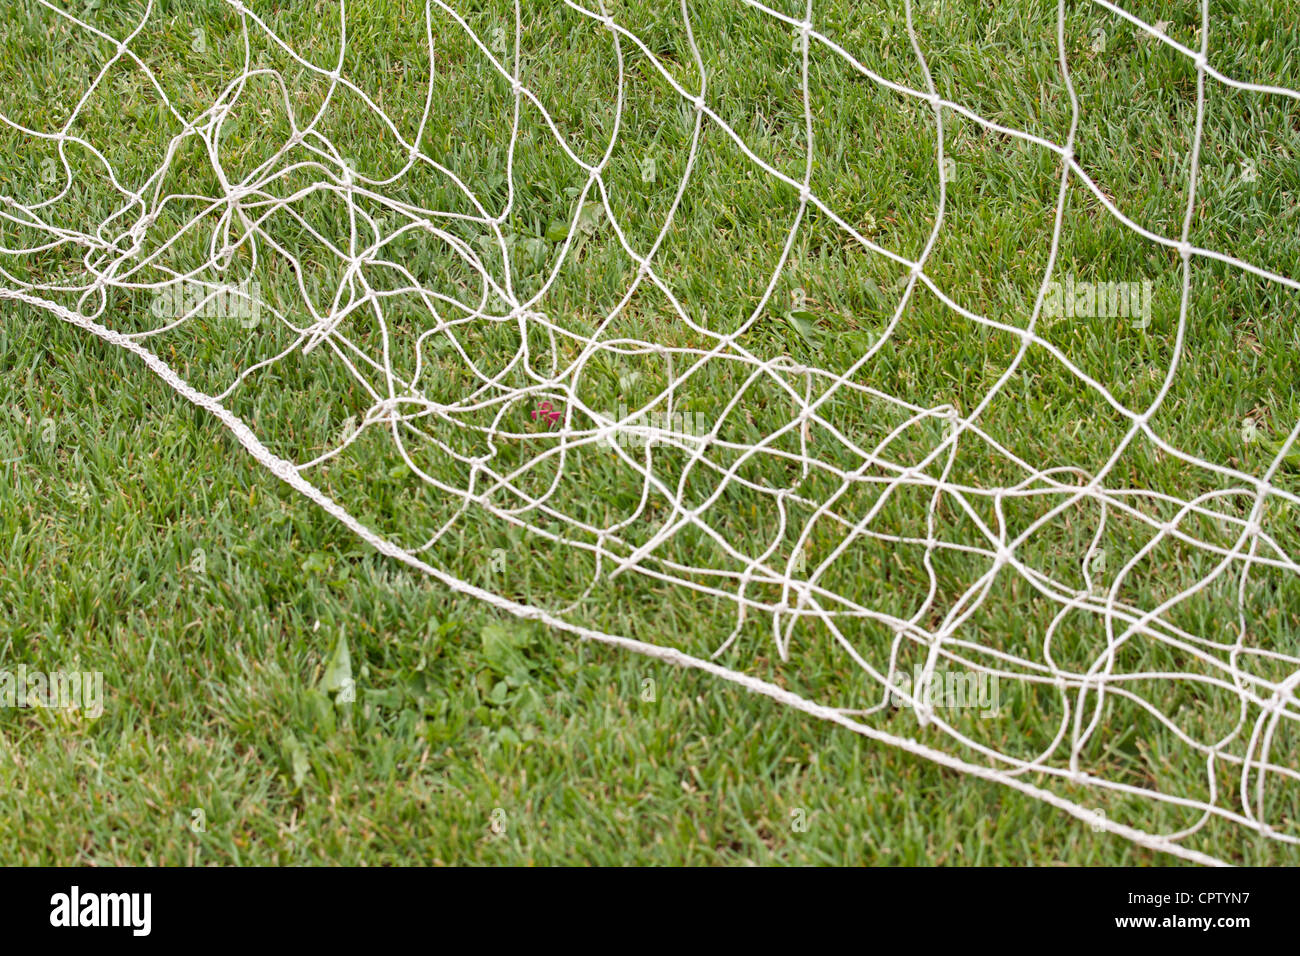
x,y
524,428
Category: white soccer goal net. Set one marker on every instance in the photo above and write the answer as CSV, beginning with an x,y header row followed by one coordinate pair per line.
x,y
740,335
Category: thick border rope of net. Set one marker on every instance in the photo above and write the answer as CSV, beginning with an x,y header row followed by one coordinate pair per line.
x,y
667,450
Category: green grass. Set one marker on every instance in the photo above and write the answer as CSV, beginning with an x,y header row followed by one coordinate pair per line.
x,y
137,539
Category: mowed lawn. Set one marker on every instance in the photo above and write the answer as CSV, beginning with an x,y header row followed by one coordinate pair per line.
x,y
231,618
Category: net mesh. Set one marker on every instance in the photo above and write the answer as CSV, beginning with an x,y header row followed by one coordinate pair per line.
x,y
553,358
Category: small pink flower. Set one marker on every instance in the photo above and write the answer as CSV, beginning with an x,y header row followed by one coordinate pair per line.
x,y
546,411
